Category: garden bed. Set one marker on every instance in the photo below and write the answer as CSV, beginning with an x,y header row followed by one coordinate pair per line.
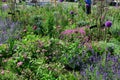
x,y
60,42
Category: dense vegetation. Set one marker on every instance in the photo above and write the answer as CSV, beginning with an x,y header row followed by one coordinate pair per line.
x,y
57,42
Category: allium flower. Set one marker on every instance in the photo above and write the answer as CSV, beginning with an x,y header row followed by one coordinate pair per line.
x,y
3,0
87,5
108,23
19,63
2,72
61,0
71,12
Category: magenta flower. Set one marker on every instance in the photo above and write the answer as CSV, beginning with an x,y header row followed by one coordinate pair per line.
x,y
82,31
19,63
108,23
67,32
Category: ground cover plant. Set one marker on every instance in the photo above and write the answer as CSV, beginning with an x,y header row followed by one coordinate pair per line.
x,y
59,42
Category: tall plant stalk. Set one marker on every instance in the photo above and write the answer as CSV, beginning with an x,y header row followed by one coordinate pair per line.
x,y
101,13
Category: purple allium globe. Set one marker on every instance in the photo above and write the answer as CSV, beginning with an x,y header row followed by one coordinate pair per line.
x,y
3,0
87,5
108,23
71,12
61,0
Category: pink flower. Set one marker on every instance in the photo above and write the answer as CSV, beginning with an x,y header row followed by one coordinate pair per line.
x,y
67,32
5,60
2,72
82,31
19,63
34,27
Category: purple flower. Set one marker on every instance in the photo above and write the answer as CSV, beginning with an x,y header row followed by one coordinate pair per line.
x,y
97,73
91,68
115,59
92,59
87,5
108,23
61,0
83,73
71,12
77,63
108,57
118,72
105,75
3,0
